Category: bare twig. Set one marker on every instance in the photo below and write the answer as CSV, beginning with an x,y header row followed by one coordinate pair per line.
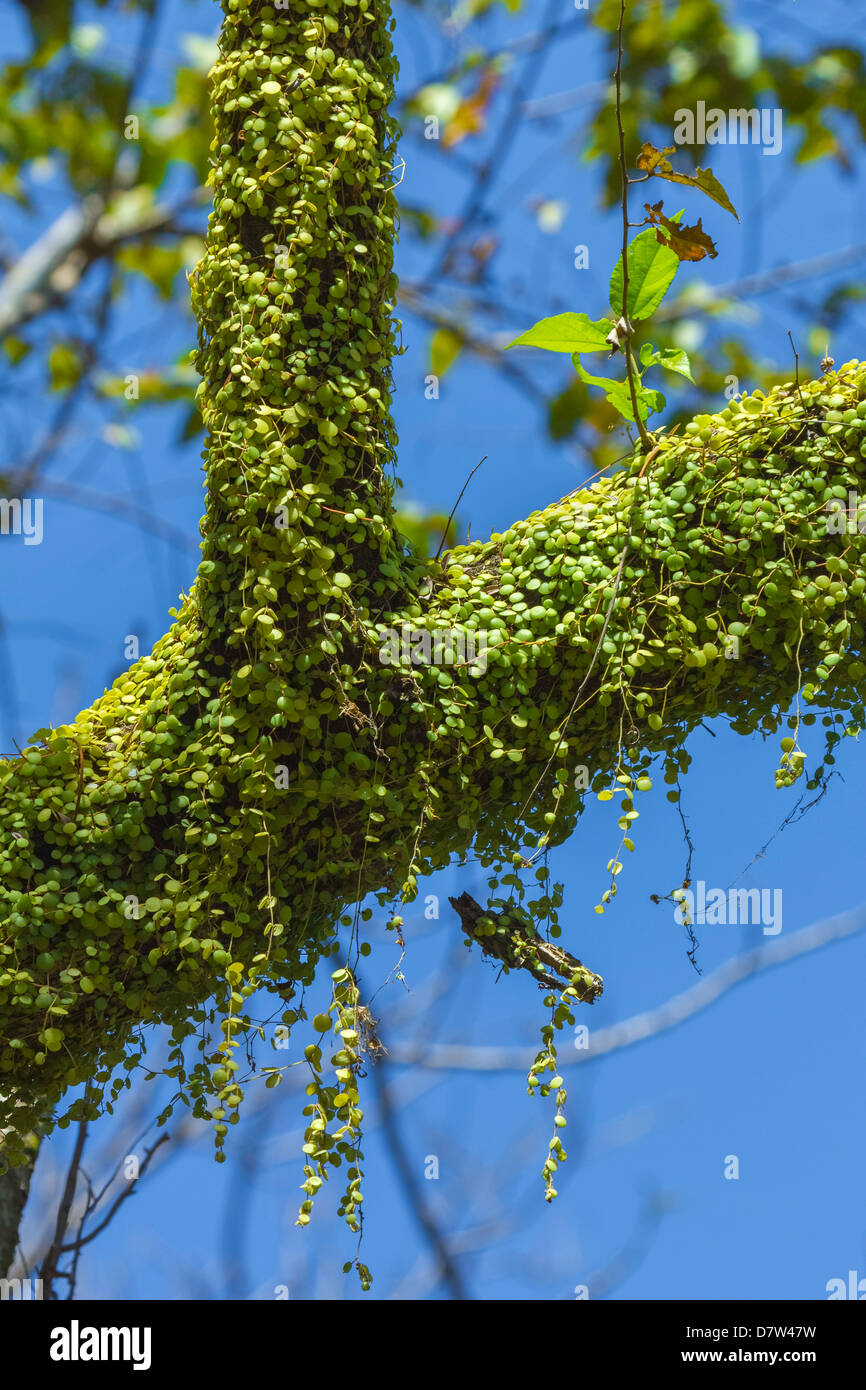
x,y
48,1268
651,1024
448,1268
495,160
472,340
766,280
456,505
796,367
48,272
82,1240
114,506
645,439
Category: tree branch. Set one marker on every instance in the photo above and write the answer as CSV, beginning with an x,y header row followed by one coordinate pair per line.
x,y
51,269
448,1268
328,716
511,938
651,1024
48,1268
764,281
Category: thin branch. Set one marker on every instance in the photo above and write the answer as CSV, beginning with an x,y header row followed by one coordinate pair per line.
x,y
645,439
456,505
48,272
651,1024
80,1241
526,43
65,411
115,506
485,348
520,947
495,160
396,1151
48,1269
766,280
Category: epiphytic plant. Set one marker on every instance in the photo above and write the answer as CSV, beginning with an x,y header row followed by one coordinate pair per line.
x,y
641,278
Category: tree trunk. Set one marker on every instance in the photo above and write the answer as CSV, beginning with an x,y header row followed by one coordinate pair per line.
x,y
14,1190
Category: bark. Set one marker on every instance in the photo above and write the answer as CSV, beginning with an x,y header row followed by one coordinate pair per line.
x,y
14,1190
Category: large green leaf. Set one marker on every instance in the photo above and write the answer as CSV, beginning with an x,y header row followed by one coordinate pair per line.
x,y
445,348
618,393
651,269
567,333
675,359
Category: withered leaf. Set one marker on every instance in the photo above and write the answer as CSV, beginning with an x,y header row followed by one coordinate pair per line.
x,y
689,243
656,162
471,115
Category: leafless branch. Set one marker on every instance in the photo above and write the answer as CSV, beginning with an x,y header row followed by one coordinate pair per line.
x,y
450,1272
48,1269
113,506
50,270
651,1024
82,1240
766,280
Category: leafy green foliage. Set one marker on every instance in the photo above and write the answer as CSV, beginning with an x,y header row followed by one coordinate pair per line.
x,y
651,269
674,359
637,288
567,333
619,395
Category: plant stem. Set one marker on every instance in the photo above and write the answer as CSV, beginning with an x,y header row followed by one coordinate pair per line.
x,y
645,438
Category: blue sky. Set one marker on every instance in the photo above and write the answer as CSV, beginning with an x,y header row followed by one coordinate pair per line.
x,y
772,1074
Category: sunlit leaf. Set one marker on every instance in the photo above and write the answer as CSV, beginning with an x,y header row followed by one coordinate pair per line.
x,y
201,51
445,346
439,99
161,264
424,530
15,348
566,333
619,393
566,410
550,214
87,39
651,269
674,359
120,436
65,367
469,118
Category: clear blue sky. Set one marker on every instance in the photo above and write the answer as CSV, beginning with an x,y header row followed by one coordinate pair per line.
x,y
771,1074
